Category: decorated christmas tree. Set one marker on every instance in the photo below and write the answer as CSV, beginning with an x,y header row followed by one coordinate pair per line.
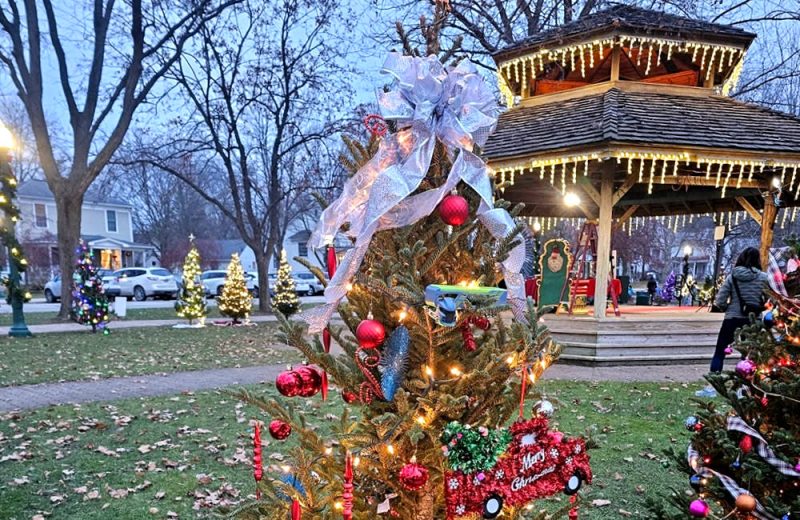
x,y
286,299
437,363
235,301
743,459
89,300
668,290
191,303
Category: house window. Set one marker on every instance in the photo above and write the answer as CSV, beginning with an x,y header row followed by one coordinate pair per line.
x,y
111,221
302,249
40,211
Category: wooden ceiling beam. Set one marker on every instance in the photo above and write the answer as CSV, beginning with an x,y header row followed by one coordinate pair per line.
x,y
753,212
630,180
625,217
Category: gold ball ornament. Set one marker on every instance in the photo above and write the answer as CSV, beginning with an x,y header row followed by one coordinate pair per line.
x,y
746,503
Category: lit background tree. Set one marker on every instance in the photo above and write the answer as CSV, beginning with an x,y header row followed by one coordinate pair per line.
x,y
286,299
235,301
191,303
89,299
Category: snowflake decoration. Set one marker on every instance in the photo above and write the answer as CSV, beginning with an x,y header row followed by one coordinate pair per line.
x,y
554,453
476,481
499,474
568,461
460,509
453,483
577,449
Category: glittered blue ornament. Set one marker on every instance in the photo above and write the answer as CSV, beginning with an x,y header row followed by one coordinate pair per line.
x,y
294,482
394,361
769,319
690,423
696,481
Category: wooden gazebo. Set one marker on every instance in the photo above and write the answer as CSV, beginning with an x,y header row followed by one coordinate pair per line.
x,y
630,108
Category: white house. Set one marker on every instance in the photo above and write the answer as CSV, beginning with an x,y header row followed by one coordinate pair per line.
x,y
106,227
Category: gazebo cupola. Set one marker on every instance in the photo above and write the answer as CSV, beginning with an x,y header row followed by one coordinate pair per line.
x,y
623,44
629,109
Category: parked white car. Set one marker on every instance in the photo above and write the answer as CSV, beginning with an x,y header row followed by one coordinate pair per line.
x,y
52,289
309,282
213,282
141,283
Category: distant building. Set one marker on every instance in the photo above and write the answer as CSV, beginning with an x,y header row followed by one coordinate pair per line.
x,y
106,226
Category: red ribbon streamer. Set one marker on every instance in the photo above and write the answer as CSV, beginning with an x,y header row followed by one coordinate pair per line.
x,y
347,496
297,511
326,334
258,470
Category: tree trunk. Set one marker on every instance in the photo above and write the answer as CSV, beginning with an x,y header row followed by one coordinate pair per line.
x,y
68,211
262,266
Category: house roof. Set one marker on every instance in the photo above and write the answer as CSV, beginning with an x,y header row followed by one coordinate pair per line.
x,y
38,189
646,118
628,18
301,236
92,239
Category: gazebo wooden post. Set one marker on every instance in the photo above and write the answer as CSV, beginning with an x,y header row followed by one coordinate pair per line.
x,y
603,262
767,227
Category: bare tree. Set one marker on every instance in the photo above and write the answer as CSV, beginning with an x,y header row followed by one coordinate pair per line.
x,y
14,117
133,44
262,82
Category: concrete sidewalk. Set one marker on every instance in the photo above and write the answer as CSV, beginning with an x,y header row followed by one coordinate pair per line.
x,y
27,397
48,328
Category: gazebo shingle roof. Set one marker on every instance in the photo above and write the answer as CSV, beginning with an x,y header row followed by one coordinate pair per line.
x,y
622,17
642,118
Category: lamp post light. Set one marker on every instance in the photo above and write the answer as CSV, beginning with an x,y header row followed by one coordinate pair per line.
x,y
537,245
8,185
687,252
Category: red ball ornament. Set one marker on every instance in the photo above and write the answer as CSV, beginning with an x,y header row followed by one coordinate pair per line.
x,y
310,381
289,383
370,333
349,397
746,444
746,503
280,430
454,210
413,476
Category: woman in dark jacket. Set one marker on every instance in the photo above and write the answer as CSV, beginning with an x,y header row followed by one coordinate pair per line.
x,y
751,282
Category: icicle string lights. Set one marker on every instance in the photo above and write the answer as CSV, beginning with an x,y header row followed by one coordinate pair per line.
x,y
646,165
717,57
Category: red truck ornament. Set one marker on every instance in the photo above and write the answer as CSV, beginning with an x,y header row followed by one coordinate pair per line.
x,y
536,463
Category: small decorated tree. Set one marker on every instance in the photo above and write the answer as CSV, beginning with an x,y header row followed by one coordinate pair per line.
x,y
286,299
668,290
89,299
437,362
235,301
743,459
191,303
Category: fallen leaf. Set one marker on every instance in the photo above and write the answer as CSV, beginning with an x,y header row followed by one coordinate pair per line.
x,y
600,502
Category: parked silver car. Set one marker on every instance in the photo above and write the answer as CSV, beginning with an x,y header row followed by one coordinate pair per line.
x,y
141,283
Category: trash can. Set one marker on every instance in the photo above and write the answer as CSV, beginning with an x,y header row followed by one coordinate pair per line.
x,y
120,306
642,298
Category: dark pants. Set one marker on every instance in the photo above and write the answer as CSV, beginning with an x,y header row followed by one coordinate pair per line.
x,y
725,338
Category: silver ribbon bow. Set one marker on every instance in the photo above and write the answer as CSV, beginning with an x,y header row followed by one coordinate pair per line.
x,y
428,102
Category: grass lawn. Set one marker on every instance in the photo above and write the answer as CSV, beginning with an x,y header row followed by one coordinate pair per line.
x,y
83,355
145,458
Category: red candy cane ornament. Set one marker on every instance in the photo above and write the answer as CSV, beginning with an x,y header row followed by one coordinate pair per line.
x,y
347,496
258,469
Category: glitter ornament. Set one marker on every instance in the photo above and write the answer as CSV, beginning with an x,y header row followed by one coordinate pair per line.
x,y
745,368
454,210
746,444
699,509
544,408
349,397
413,476
370,333
280,430
746,503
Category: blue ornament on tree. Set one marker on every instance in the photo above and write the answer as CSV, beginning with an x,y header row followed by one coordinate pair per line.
x,y
769,319
394,361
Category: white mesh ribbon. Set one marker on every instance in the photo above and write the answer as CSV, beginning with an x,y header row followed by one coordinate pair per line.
x,y
428,102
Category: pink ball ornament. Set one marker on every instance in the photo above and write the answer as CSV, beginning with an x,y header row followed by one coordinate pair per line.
x,y
699,509
280,430
454,210
370,333
413,476
746,368
728,350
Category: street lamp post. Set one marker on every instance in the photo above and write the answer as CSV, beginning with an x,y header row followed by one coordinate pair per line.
x,y
537,245
15,296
